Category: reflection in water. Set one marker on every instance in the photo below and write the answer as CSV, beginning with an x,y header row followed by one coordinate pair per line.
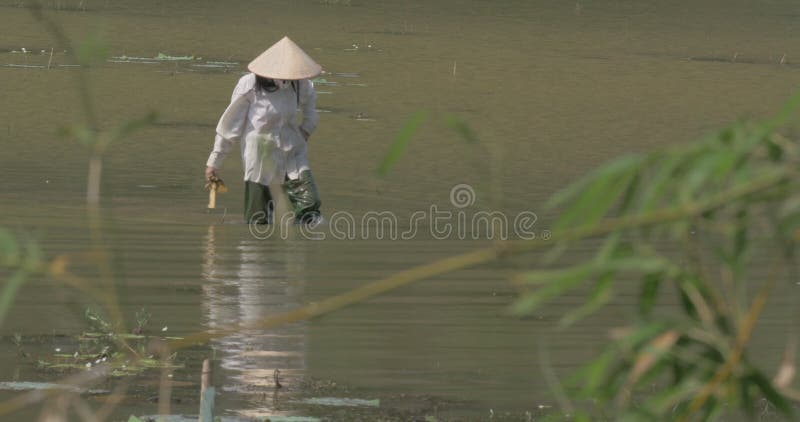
x,y
245,283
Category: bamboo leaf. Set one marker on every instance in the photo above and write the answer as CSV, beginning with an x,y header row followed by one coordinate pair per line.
x,y
594,373
33,256
462,129
600,195
79,133
400,144
601,294
651,354
747,397
661,181
132,126
662,402
556,284
697,177
647,297
9,249
91,50
771,394
788,111
578,188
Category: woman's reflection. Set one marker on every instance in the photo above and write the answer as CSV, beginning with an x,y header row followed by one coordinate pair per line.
x,y
245,282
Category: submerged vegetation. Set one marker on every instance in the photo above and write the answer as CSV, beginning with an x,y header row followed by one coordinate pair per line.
x,y
123,354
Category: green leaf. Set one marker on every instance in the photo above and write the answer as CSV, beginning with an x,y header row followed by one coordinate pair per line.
x,y
556,282
462,129
789,110
775,151
663,401
594,373
660,183
770,393
578,188
610,248
33,256
647,298
600,195
582,416
601,294
747,397
643,333
132,126
134,419
80,133
9,249
697,177
400,143
91,50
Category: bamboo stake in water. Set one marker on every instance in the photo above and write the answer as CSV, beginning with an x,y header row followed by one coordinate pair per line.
x,y
206,395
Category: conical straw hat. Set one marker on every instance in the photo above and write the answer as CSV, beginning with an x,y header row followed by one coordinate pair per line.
x,y
285,60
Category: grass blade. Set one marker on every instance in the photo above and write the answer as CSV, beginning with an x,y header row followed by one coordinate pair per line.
x,y
400,143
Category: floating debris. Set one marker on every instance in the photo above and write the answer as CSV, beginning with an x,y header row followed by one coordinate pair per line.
x,y
146,61
181,418
162,56
363,117
341,402
324,82
30,385
100,347
217,66
130,58
25,66
347,75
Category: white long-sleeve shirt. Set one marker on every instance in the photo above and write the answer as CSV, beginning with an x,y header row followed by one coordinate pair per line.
x,y
265,125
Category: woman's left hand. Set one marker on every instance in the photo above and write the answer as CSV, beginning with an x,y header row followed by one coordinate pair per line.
x,y
305,134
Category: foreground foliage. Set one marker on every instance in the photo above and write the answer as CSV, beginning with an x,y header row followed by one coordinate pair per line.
x,y
693,220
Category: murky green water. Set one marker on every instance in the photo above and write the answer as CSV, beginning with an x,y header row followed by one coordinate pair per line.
x,y
553,89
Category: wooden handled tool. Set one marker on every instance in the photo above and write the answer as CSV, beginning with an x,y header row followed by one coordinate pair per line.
x,y
214,185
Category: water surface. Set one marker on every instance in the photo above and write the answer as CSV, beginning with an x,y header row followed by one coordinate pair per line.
x,y
552,89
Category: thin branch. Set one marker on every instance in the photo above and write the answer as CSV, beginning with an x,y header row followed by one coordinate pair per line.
x,y
742,339
469,260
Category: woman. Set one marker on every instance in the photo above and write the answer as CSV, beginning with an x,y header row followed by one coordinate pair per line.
x,y
262,116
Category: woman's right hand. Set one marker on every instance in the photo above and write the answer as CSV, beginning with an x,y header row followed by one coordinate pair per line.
x,y
211,172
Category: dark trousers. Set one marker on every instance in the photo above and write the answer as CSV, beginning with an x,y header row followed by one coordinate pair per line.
x,y
302,194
